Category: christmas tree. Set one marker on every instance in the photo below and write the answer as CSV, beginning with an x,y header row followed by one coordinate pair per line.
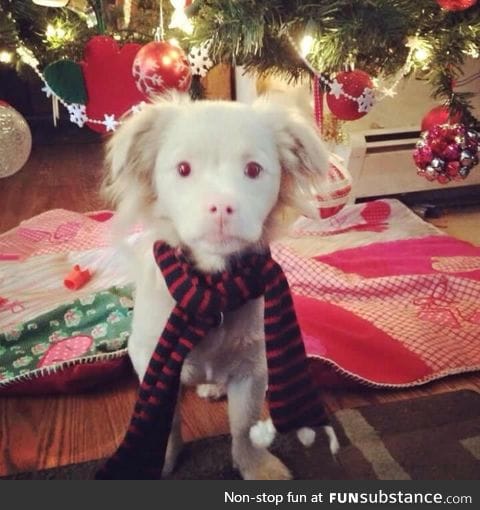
x,y
292,38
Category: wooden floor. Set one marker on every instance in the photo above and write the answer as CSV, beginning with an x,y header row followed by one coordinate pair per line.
x,y
49,431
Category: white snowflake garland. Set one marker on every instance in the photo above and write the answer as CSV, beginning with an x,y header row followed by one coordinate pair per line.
x,y
199,59
336,88
368,97
109,122
366,100
78,114
47,90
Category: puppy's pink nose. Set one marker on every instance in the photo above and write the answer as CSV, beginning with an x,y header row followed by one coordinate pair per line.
x,y
214,209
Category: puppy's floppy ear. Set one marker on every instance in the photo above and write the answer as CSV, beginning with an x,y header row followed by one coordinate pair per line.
x,y
303,157
131,156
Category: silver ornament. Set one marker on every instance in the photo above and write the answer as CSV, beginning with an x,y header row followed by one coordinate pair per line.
x,y
473,135
15,141
438,164
430,172
464,171
466,158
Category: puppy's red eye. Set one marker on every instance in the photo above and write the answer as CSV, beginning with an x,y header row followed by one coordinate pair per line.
x,y
184,169
253,170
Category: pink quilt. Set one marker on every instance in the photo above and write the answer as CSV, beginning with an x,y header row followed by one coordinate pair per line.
x,y
396,312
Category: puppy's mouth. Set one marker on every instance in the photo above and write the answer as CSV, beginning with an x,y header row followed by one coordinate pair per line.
x,y
221,242
222,238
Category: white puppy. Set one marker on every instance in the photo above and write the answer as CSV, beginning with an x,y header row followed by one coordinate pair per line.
x,y
213,177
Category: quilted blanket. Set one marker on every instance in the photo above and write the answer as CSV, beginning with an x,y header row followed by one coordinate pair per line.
x,y
383,297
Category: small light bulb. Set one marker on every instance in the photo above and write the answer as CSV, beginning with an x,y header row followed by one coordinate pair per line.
x,y
50,32
306,45
6,57
472,51
421,55
174,42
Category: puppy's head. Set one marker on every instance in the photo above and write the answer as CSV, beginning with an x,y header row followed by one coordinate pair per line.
x,y
213,176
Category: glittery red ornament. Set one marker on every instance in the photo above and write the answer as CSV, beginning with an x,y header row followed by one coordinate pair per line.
x,y
456,5
161,66
439,115
447,152
356,84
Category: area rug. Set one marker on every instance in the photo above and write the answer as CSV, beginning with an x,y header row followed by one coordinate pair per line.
x,y
429,438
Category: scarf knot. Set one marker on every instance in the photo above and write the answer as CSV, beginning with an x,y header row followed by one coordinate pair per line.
x,y
206,296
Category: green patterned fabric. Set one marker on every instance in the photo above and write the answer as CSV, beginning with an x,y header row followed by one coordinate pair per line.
x,y
96,325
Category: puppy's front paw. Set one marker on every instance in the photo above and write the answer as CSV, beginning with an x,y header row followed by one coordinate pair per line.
x,y
211,391
267,467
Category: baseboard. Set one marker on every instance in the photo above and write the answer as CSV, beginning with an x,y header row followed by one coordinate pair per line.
x,y
448,197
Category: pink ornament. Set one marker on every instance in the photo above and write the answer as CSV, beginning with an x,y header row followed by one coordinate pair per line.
x,y
423,156
453,167
451,152
443,179
161,66
438,144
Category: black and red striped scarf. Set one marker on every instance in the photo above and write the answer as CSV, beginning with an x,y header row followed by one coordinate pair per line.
x,y
200,300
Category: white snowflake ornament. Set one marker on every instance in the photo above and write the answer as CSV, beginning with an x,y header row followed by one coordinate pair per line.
x,y
47,90
137,108
78,114
109,122
200,61
366,100
336,88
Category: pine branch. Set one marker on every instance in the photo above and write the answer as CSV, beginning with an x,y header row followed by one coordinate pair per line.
x,y
369,34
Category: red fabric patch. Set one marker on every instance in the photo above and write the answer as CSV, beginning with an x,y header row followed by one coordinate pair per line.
x,y
377,211
355,344
407,257
100,216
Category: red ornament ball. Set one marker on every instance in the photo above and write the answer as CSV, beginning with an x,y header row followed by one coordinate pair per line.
x,y
161,66
356,84
439,115
456,5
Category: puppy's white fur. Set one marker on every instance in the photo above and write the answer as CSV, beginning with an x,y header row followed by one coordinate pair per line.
x,y
214,213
